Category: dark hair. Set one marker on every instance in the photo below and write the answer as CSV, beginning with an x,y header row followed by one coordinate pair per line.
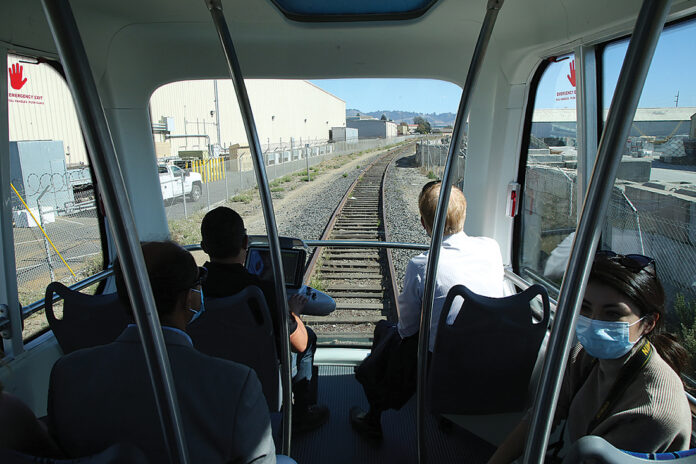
x,y
643,287
223,233
171,269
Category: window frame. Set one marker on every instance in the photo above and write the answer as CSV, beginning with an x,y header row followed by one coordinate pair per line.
x,y
16,343
590,124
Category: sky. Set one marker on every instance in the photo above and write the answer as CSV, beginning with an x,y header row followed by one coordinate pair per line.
x,y
673,70
418,95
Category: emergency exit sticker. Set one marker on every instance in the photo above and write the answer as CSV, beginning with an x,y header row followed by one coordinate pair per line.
x,y
18,82
565,83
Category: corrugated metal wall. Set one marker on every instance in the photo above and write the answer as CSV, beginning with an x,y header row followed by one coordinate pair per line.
x,y
41,108
282,109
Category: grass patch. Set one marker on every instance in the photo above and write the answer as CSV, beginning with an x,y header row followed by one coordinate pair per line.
x,y
186,231
431,175
242,198
344,174
317,283
277,189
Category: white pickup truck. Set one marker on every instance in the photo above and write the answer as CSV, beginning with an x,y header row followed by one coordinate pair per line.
x,y
171,176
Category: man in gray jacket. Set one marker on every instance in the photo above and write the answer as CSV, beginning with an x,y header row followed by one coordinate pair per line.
x,y
103,395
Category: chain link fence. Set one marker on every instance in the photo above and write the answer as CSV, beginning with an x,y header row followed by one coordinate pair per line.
x,y
56,230
431,155
232,174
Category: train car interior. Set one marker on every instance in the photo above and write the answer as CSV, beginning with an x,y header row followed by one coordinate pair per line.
x,y
572,135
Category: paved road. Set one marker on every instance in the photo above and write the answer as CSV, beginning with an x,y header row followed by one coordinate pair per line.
x,y
672,175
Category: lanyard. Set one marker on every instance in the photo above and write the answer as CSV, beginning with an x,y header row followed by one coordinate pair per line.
x,y
626,376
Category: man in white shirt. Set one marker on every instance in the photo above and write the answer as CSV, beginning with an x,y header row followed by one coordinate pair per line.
x,y
388,376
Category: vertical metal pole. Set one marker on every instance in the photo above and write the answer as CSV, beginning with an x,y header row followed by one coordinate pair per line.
x,y
492,10
217,113
611,145
307,161
183,193
215,7
49,261
13,343
239,165
587,115
118,211
225,162
207,170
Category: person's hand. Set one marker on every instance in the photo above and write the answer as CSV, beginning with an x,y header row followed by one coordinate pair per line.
x,y
297,302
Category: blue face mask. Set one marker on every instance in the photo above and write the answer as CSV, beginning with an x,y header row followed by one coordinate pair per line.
x,y
604,339
197,314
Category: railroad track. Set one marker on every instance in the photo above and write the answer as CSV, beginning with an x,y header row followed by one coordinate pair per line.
x,y
361,280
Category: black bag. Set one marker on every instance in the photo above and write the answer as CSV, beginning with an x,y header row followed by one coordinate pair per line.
x,y
389,374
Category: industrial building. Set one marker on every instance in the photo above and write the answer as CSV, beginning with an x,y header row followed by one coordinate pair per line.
x,y
206,111
285,111
343,134
656,122
41,108
372,128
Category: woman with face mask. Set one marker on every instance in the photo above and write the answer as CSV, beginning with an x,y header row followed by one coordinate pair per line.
x,y
622,381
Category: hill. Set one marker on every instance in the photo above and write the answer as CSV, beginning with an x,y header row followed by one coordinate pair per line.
x,y
435,119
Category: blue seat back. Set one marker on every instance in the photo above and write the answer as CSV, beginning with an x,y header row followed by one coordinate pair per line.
x,y
597,450
483,362
239,328
88,320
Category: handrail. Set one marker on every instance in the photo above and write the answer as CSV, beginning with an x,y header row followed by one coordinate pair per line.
x,y
492,9
223,32
524,284
366,244
41,304
120,216
629,87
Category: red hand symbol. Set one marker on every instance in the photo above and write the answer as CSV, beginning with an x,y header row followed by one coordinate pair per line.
x,y
571,76
16,80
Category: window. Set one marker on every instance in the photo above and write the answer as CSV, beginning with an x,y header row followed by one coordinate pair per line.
x,y
653,203
548,215
56,224
317,137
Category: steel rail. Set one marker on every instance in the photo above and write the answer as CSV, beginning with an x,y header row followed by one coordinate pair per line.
x,y
492,9
41,304
629,87
390,259
311,266
106,166
223,32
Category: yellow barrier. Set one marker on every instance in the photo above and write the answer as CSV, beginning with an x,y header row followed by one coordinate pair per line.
x,y
38,223
211,170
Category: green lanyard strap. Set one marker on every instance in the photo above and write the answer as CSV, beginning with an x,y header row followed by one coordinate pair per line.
x,y
626,376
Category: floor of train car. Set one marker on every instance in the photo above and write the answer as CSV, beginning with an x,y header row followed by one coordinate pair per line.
x,y
337,443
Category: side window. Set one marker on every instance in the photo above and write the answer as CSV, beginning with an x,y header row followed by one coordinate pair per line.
x,y
549,208
653,203
56,224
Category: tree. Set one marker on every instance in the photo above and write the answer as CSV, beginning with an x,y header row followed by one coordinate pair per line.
x,y
384,117
423,125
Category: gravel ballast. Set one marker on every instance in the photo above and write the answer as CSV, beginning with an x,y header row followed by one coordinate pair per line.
x,y
404,183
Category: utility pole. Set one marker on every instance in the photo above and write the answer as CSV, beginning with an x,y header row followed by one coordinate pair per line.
x,y
217,113
676,100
